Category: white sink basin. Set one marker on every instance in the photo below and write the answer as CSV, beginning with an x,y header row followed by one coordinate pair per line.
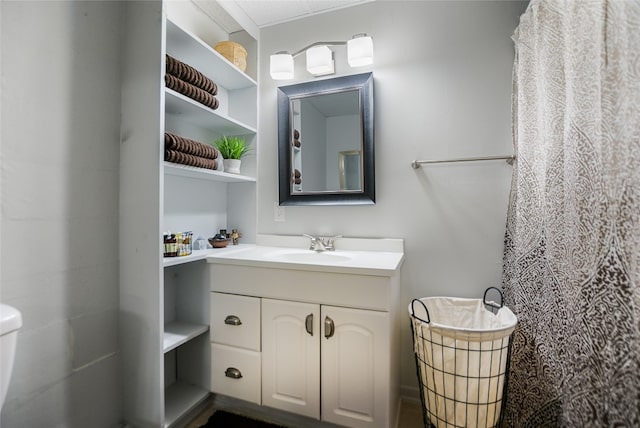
x,y
312,257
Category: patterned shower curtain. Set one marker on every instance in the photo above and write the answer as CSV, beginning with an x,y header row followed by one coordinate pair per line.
x,y
572,245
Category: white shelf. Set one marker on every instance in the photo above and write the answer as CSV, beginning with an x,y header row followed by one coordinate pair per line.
x,y
177,333
202,116
193,257
188,48
205,174
201,254
181,398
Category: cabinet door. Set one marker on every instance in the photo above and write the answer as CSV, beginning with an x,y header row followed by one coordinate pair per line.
x,y
355,367
291,356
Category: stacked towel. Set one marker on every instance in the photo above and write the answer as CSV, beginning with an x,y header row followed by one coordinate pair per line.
x,y
190,75
188,81
184,151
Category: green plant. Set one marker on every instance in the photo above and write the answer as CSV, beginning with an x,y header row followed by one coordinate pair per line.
x,y
232,147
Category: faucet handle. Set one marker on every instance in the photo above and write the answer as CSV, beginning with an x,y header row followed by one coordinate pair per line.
x,y
330,241
314,241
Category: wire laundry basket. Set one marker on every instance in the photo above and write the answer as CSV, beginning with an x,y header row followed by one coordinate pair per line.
x,y
462,349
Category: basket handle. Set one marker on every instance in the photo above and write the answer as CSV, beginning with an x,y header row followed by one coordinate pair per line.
x,y
413,302
491,303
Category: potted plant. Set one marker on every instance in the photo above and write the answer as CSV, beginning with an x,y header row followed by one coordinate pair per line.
x,y
232,149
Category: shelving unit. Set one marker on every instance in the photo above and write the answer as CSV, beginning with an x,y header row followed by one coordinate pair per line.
x,y
165,301
191,119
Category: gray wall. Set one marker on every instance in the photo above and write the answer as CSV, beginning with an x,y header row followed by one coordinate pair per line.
x,y
60,148
442,83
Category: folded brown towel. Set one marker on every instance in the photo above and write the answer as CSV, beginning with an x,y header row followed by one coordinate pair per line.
x,y
191,75
191,91
296,173
297,180
190,147
296,134
296,143
190,160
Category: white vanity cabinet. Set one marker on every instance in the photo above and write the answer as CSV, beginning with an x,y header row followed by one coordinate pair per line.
x,y
326,362
329,345
164,305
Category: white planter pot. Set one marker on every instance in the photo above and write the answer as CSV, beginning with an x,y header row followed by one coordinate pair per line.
x,y
232,166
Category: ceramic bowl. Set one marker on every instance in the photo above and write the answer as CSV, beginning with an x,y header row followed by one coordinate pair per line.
x,y
218,243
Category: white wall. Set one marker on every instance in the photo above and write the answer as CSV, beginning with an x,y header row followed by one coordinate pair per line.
x,y
60,147
442,84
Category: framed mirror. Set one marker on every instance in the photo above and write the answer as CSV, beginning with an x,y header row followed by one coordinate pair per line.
x,y
326,142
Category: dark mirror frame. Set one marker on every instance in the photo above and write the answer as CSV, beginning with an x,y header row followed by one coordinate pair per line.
x,y
364,84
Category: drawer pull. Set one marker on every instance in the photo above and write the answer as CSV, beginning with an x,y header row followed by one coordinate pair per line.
x,y
232,320
308,323
233,373
329,327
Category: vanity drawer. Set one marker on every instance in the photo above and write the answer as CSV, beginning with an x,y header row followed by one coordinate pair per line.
x,y
236,372
235,320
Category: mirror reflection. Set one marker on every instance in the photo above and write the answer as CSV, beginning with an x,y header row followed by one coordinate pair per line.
x,y
326,143
350,170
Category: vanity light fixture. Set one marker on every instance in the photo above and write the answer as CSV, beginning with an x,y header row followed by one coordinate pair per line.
x,y
320,58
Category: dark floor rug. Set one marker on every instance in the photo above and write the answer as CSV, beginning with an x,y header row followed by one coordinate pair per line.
x,y
222,419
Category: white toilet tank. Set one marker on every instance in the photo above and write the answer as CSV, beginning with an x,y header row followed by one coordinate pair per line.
x,y
10,322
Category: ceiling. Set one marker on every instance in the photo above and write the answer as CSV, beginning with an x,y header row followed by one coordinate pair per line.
x,y
270,12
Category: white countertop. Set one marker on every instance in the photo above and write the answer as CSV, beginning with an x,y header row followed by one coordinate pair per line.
x,y
351,261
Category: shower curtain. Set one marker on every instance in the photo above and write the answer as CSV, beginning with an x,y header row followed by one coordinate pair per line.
x,y
572,245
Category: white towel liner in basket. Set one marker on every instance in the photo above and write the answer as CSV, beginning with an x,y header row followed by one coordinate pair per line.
x,y
461,350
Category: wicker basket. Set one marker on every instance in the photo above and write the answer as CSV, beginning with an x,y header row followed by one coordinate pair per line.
x,y
234,52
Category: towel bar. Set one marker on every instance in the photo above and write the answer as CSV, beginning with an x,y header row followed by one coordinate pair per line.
x,y
417,163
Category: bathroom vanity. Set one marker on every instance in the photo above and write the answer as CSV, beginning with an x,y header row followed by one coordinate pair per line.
x,y
311,333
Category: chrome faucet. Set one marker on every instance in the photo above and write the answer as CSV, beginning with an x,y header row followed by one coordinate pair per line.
x,y
319,243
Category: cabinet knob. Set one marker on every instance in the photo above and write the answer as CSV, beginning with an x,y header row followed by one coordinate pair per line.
x,y
329,327
233,373
232,320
